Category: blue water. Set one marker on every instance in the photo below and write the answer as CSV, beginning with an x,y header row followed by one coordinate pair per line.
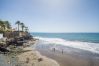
x,y
83,37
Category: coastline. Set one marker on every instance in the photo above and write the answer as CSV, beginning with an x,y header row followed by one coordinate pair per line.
x,y
70,57
26,56
35,53
74,59
34,58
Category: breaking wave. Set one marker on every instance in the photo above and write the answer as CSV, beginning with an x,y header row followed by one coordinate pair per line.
x,y
92,47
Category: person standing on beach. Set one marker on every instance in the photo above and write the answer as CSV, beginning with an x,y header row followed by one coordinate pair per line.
x,y
54,49
62,51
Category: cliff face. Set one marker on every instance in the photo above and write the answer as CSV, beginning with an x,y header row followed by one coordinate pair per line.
x,y
15,34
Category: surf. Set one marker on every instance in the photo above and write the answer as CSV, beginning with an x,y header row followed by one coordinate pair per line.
x,y
87,46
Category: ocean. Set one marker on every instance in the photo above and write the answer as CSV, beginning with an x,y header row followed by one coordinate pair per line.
x,y
83,41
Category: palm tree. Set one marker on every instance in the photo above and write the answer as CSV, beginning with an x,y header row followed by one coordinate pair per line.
x,y
22,26
18,23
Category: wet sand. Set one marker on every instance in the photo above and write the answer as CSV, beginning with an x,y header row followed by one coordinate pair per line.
x,y
71,56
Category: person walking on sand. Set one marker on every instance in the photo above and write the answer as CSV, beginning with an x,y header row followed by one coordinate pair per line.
x,y
54,49
62,51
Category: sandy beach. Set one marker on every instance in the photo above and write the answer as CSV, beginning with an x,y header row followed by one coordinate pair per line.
x,y
34,58
35,53
70,57
26,56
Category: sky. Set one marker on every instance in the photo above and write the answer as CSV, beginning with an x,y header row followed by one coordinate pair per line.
x,y
52,15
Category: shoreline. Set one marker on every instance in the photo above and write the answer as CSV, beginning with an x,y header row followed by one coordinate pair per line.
x,y
70,57
35,53
67,59
34,58
26,55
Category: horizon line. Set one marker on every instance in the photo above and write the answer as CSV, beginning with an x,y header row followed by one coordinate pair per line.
x,y
63,32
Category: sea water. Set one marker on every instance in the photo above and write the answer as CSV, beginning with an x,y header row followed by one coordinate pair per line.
x,y
83,41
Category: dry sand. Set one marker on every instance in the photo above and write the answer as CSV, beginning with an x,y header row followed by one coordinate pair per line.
x,y
34,58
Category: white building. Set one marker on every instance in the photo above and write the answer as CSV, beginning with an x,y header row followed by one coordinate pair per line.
x,y
1,35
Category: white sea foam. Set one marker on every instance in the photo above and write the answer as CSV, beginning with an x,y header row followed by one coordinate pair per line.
x,y
93,47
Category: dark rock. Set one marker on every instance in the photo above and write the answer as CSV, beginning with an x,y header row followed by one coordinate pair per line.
x,y
40,59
